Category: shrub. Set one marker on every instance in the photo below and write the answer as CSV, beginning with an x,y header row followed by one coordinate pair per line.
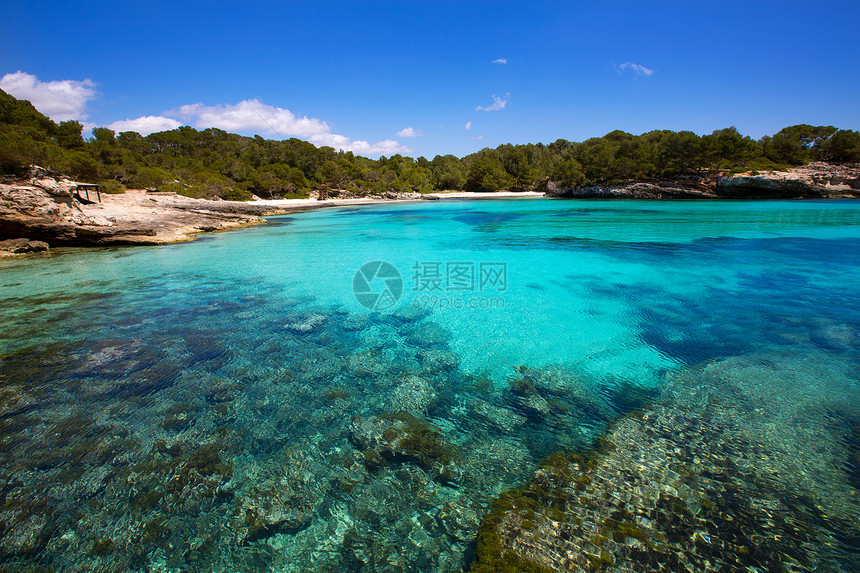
x,y
112,187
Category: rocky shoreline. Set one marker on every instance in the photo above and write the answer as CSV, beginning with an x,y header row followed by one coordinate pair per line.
x,y
814,181
48,210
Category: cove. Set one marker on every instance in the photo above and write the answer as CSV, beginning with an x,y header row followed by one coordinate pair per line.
x,y
234,403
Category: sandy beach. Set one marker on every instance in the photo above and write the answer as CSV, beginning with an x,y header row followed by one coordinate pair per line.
x,y
295,204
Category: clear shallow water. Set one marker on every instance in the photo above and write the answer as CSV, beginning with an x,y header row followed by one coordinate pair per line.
x,y
229,404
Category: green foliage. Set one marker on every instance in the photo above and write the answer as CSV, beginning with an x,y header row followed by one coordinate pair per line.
x,y
447,173
69,135
79,164
844,145
111,187
486,173
214,163
568,173
797,144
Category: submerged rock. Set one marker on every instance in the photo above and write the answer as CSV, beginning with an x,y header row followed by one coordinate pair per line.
x,y
356,322
664,493
564,410
428,334
436,361
305,323
413,396
409,314
502,418
738,469
404,438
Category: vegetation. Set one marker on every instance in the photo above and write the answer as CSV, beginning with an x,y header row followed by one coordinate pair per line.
x,y
214,163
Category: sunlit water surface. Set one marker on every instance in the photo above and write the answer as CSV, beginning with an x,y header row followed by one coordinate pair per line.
x,y
228,404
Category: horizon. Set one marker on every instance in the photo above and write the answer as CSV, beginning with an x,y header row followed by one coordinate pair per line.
x,y
436,78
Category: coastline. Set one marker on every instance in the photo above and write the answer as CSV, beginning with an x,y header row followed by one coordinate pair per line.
x,y
42,209
47,211
306,204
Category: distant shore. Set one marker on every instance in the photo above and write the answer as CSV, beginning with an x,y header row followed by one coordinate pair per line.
x,y
302,204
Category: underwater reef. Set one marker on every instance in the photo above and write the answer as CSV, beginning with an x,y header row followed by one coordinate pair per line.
x,y
710,479
227,425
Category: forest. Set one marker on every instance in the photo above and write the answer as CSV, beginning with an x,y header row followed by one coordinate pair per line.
x,y
213,163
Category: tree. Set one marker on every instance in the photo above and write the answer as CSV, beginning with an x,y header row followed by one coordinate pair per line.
x,y
104,135
844,145
568,174
332,173
727,148
486,173
69,134
794,144
80,165
516,163
447,173
680,152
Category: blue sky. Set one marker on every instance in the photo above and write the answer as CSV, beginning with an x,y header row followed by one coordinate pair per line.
x,y
411,76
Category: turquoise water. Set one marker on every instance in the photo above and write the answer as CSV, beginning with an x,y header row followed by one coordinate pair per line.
x,y
229,404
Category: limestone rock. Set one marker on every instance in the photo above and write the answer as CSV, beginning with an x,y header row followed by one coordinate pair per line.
x,y
58,188
635,190
817,179
21,246
45,208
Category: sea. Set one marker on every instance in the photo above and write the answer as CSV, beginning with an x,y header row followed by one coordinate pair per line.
x,y
350,389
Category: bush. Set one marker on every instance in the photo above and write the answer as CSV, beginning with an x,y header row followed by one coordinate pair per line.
x,y
235,194
112,187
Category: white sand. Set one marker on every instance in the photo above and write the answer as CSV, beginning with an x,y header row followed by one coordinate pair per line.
x,y
314,203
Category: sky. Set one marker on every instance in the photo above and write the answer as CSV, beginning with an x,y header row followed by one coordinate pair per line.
x,y
433,77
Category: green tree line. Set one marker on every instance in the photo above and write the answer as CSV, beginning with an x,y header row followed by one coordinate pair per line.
x,y
214,163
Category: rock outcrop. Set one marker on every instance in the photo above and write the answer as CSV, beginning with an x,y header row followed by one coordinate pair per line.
x,y
809,181
47,209
21,246
816,180
692,188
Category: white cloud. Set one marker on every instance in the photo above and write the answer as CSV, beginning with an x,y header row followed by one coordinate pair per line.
x,y
640,70
501,61
60,100
468,125
253,115
409,132
477,138
498,104
145,125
